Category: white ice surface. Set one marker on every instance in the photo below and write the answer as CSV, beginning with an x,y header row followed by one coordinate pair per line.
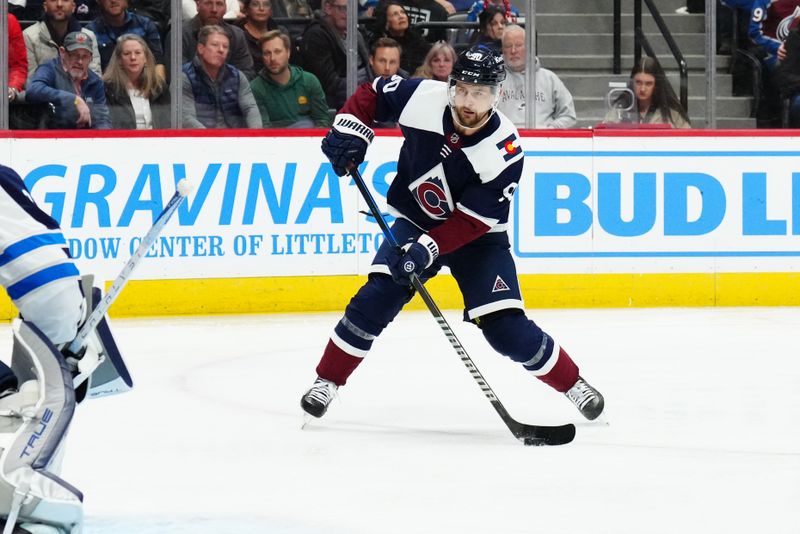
x,y
703,436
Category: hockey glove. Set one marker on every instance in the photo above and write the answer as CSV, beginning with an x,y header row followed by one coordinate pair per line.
x,y
346,143
413,258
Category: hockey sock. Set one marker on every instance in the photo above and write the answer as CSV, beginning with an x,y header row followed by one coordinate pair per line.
x,y
336,365
563,374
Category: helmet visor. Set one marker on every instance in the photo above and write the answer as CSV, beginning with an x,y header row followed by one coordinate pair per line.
x,y
471,102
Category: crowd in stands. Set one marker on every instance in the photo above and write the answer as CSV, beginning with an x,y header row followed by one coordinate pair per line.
x,y
106,63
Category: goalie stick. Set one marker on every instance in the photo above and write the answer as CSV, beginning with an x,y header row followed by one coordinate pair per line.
x,y
527,434
100,310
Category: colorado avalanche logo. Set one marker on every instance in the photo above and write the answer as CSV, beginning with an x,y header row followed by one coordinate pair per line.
x,y
432,197
432,194
785,25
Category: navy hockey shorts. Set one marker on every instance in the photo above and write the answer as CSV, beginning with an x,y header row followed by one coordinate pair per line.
x,y
484,270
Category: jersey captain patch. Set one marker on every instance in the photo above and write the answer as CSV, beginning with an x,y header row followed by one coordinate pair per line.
x,y
509,147
432,194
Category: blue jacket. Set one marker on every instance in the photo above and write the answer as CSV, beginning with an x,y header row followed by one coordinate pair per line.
x,y
50,84
208,101
136,24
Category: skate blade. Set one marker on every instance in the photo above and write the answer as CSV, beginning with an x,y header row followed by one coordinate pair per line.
x,y
601,420
306,419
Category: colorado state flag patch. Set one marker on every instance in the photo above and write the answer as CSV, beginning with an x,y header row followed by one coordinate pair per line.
x,y
509,149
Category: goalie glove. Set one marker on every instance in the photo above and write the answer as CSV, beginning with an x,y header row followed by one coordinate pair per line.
x,y
346,143
412,259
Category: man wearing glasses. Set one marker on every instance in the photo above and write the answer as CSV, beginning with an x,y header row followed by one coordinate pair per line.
x,y
325,56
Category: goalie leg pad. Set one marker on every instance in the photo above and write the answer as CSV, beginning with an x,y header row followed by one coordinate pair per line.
x,y
33,426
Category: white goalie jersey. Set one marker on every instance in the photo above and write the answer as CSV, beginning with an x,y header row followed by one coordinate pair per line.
x,y
35,269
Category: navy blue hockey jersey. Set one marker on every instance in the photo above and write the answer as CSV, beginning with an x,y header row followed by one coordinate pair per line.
x,y
440,171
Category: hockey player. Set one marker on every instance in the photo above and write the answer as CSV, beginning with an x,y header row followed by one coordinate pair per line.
x,y
37,397
459,166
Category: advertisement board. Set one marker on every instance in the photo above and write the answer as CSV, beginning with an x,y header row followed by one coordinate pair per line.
x,y
269,205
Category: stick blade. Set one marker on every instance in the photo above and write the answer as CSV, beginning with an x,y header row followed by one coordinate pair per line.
x,y
538,435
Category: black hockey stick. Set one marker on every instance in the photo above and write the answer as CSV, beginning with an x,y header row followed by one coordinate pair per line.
x,y
527,434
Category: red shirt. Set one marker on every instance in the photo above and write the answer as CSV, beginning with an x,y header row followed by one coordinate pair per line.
x,y
17,55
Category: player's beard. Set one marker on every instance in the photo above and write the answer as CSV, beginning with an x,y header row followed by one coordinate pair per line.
x,y
470,123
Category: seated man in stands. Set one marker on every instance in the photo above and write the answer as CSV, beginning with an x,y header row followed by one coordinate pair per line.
x,y
286,95
215,93
211,12
116,20
43,39
324,54
74,93
384,58
770,22
553,106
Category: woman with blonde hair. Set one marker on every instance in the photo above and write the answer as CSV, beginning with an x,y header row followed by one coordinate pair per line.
x,y
438,63
138,98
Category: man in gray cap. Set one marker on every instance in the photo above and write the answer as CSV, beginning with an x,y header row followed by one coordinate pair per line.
x,y
74,93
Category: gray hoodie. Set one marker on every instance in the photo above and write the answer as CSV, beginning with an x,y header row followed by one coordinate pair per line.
x,y
554,106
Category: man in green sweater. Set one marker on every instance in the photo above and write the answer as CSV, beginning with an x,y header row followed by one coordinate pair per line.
x,y
287,96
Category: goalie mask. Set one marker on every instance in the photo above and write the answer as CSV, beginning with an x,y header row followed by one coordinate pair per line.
x,y
474,86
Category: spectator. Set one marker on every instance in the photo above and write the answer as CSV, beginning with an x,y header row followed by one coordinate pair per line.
x,y
232,9
116,20
438,63
44,39
291,9
287,96
73,91
85,10
504,6
491,22
215,93
426,11
138,97
385,58
257,22
656,102
553,105
789,75
17,59
324,54
211,12
156,10
770,22
391,20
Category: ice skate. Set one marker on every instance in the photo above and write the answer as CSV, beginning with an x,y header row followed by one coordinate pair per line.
x,y
588,400
316,400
